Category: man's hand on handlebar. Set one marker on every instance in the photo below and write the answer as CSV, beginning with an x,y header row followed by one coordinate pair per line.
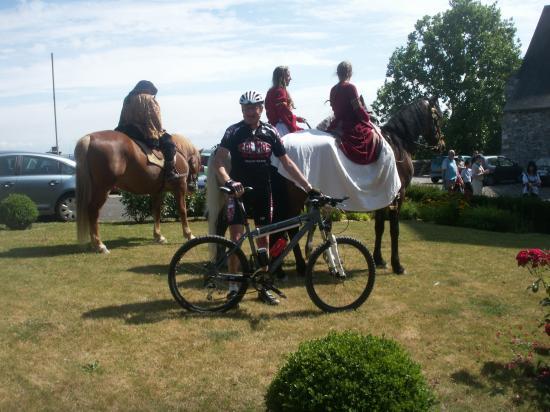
x,y
236,187
314,193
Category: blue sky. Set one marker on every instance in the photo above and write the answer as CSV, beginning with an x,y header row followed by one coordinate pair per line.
x,y
200,54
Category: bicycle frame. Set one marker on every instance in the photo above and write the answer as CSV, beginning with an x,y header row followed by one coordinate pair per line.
x,y
309,220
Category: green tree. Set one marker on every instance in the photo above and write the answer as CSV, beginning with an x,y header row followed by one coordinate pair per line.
x,y
464,56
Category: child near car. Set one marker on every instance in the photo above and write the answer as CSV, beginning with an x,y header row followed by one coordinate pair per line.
x,y
466,175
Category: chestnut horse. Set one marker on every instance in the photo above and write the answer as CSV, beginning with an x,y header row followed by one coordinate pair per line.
x,y
107,159
402,131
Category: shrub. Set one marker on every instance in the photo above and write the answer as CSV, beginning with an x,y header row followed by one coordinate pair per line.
x,y
335,214
420,193
18,211
358,216
348,371
409,211
136,207
195,202
489,218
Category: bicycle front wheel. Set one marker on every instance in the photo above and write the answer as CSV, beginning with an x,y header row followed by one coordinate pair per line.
x,y
199,278
340,276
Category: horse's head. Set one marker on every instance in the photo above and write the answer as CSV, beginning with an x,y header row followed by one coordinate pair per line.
x,y
194,165
432,125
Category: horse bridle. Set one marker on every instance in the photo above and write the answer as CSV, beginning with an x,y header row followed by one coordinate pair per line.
x,y
437,129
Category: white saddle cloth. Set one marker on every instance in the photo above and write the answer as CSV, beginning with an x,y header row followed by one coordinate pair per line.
x,y
369,187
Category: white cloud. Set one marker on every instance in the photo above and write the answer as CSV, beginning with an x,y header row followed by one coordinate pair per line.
x,y
200,54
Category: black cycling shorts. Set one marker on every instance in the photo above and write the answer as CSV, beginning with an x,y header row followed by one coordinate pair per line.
x,y
258,205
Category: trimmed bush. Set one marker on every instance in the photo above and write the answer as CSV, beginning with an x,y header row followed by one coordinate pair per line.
x,y
18,211
349,372
489,218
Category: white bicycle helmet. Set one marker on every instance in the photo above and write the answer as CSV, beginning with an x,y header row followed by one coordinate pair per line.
x,y
251,97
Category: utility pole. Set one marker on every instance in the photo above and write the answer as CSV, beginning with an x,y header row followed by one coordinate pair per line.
x,y
54,109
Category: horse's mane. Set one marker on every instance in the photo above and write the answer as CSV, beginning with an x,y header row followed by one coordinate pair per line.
x,y
185,145
406,124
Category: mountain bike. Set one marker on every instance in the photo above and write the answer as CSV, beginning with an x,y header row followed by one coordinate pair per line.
x,y
339,275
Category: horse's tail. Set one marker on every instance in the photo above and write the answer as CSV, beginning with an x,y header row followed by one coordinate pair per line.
x,y
215,199
83,189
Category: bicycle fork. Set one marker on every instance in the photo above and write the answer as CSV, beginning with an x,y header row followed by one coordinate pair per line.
x,y
332,257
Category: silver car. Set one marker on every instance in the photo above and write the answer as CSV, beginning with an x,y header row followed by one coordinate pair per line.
x,y
49,180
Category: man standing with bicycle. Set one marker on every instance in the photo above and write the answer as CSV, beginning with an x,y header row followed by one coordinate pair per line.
x,y
250,144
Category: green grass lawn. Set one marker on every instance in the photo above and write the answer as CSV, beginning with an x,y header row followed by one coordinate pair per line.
x,y
86,331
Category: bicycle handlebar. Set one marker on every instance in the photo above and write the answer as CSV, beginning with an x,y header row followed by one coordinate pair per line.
x,y
320,200
323,200
229,191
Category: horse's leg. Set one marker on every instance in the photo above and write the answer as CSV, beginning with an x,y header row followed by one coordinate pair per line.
x,y
394,232
179,194
296,200
99,197
379,217
156,203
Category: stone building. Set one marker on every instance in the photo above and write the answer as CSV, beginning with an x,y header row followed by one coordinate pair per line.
x,y
526,118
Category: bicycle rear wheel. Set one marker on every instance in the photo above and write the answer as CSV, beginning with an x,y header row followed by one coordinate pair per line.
x,y
199,278
340,277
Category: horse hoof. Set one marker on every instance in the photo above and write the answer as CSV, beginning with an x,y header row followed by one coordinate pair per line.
x,y
191,237
400,270
380,263
161,240
103,250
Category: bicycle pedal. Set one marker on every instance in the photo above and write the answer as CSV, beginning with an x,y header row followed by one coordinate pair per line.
x,y
278,292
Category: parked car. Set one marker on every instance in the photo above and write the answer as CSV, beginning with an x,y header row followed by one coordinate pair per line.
x,y
543,167
49,180
435,166
501,169
205,155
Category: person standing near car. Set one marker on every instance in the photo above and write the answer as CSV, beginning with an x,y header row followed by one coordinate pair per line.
x,y
466,175
531,180
449,171
478,173
250,144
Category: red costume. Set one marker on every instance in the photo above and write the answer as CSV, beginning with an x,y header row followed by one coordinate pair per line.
x,y
352,122
278,109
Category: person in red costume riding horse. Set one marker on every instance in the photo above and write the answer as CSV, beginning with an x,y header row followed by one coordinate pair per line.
x,y
279,104
351,123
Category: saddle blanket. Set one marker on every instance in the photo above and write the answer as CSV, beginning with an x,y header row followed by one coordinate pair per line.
x,y
369,187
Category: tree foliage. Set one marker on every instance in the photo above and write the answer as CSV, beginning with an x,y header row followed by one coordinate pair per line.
x,y
464,56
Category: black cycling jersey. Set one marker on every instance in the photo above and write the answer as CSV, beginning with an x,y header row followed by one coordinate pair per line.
x,y
251,151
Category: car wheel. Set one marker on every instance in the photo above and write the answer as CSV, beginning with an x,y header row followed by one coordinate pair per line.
x,y
435,179
65,210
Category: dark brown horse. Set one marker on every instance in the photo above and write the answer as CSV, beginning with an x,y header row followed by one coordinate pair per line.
x,y
402,131
107,159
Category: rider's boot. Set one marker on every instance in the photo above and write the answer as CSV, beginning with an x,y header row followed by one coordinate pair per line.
x,y
170,171
168,149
